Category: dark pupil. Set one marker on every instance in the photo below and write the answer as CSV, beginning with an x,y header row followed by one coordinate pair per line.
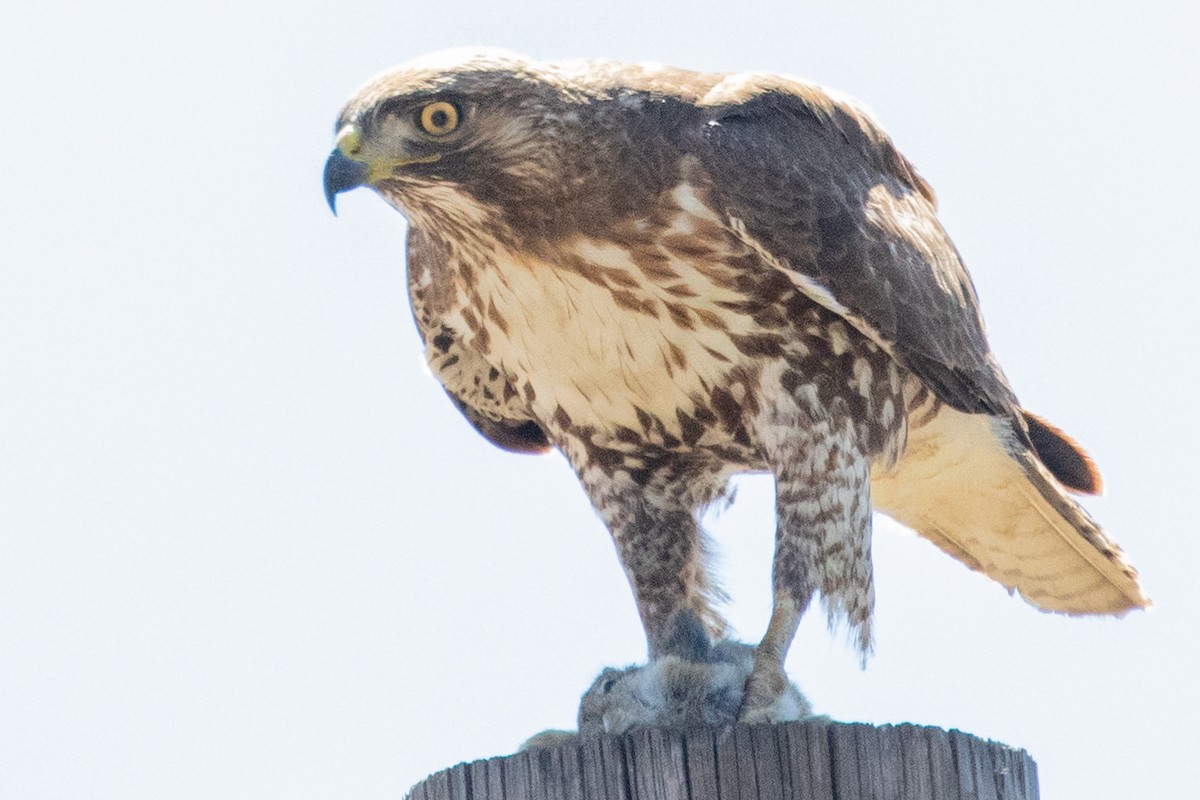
x,y
439,119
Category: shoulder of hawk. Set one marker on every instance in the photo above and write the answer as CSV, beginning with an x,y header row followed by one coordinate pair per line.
x,y
808,178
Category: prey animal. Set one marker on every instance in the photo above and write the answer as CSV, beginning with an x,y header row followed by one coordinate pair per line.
x,y
672,277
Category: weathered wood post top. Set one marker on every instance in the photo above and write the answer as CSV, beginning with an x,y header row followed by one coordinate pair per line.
x,y
811,760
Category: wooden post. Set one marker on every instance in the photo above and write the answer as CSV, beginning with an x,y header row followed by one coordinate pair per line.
x,y
790,761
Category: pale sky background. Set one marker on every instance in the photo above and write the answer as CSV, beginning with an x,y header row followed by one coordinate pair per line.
x,y
249,550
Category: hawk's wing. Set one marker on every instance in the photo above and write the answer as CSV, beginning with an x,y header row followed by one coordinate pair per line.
x,y
458,367
818,188
515,436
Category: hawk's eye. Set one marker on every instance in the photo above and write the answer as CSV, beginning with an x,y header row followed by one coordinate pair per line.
x,y
438,118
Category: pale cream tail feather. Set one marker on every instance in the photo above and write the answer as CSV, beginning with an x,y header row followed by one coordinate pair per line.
x,y
1004,515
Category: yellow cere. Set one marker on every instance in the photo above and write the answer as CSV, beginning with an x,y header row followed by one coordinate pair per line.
x,y
348,140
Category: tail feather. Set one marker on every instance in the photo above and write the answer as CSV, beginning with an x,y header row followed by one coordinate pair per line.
x,y
1062,455
968,485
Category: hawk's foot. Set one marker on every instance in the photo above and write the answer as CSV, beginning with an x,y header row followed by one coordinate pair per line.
x,y
770,697
683,636
673,692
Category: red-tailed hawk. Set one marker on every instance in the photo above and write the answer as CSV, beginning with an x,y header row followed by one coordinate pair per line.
x,y
672,277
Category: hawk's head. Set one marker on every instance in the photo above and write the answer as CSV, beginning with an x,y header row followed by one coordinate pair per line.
x,y
539,147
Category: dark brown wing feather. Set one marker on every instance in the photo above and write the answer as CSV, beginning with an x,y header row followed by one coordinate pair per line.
x,y
815,183
1063,456
516,436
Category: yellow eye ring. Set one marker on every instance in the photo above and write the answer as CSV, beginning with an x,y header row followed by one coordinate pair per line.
x,y
439,118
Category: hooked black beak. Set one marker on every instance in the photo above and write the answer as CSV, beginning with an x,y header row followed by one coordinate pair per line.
x,y
342,174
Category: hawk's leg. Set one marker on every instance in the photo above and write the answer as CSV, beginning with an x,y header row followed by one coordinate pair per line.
x,y
823,535
651,510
